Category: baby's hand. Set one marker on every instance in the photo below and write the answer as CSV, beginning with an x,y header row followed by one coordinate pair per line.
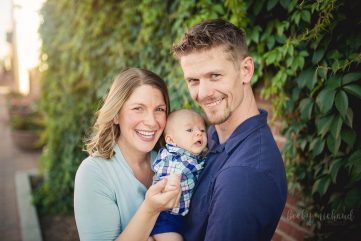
x,y
172,182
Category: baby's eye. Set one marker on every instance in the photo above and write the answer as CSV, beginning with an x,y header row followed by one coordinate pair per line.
x,y
189,130
202,130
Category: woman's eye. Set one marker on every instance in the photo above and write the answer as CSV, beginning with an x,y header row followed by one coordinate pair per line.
x,y
189,130
160,109
137,108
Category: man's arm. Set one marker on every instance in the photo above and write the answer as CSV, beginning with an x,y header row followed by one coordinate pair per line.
x,y
245,205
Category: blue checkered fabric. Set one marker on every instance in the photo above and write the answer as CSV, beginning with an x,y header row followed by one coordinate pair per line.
x,y
173,159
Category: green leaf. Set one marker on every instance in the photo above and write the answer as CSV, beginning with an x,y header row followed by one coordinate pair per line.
x,y
336,127
271,4
285,3
292,5
306,16
321,185
351,77
324,124
341,102
353,198
305,77
317,146
258,6
349,117
333,82
271,43
270,57
333,144
306,106
354,163
322,72
334,167
317,55
355,158
353,89
325,99
348,136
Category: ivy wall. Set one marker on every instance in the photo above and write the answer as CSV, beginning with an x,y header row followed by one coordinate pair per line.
x,y
307,56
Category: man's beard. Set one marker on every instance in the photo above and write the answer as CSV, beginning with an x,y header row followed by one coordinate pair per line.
x,y
216,119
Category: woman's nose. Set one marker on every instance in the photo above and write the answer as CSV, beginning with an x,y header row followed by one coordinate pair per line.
x,y
150,120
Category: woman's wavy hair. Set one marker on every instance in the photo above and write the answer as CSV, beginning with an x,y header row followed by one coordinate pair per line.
x,y
105,133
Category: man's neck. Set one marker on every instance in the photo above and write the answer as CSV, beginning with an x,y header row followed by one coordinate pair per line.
x,y
247,109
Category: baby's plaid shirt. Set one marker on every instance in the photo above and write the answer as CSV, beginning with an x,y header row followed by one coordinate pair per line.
x,y
173,159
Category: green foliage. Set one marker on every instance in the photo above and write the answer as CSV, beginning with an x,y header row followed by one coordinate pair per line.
x,y
24,113
306,54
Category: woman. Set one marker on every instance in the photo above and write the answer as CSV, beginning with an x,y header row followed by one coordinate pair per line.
x,y
111,200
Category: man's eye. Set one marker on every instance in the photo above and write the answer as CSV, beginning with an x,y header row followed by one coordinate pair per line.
x,y
193,81
189,130
215,76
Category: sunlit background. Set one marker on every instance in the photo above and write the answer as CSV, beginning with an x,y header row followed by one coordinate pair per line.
x,y
19,41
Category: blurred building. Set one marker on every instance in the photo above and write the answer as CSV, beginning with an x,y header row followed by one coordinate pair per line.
x,y
25,46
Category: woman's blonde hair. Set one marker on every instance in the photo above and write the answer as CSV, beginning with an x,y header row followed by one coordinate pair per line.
x,y
105,132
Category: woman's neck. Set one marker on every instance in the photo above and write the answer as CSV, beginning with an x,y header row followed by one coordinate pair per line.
x,y
139,162
132,156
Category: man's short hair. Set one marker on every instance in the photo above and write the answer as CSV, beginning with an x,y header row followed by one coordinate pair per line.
x,y
213,33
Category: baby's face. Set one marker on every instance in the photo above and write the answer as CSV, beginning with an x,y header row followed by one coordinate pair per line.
x,y
188,132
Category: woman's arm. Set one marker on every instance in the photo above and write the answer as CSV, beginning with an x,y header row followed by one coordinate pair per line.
x,y
96,212
156,200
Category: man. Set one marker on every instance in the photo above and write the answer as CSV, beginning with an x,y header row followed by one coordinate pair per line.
x,y
242,190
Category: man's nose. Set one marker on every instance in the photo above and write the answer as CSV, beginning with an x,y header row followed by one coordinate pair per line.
x,y
204,90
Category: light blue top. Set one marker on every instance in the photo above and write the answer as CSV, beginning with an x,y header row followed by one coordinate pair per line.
x,y
106,196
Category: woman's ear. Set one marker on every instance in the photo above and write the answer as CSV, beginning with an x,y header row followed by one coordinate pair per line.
x,y
168,139
247,69
116,119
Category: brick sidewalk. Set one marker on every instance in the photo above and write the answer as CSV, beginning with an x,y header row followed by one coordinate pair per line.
x,y
11,160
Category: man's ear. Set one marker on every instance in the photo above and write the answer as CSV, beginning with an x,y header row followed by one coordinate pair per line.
x,y
247,69
168,139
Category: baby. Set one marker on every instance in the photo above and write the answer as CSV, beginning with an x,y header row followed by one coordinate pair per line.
x,y
186,139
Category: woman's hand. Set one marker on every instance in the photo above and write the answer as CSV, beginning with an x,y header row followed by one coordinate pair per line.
x,y
163,195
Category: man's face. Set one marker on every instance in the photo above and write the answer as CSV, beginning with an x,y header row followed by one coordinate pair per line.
x,y
214,82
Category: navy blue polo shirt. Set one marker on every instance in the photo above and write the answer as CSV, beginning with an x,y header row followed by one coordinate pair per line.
x,y
242,190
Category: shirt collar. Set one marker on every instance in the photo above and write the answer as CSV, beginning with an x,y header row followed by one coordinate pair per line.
x,y
239,134
178,150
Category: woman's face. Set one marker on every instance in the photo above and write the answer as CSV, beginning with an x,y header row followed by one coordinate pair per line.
x,y
142,119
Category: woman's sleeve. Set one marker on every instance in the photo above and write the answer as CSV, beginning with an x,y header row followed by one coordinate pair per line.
x,y
96,211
